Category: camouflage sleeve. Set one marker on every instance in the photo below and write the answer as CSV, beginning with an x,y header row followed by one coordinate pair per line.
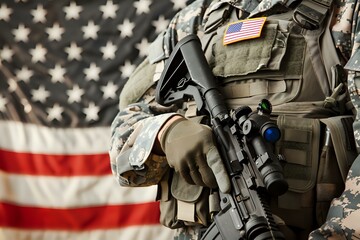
x,y
135,128
344,213
133,133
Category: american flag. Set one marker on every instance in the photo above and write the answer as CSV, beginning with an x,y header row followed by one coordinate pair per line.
x,y
63,66
244,29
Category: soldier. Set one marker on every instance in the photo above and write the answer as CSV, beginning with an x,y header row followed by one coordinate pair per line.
x,y
301,63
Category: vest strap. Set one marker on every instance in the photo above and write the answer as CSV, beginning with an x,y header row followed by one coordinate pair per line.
x,y
310,14
341,130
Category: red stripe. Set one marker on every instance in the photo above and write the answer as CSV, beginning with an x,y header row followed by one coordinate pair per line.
x,y
90,218
55,165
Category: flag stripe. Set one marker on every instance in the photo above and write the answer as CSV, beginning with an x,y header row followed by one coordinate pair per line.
x,y
25,137
155,232
60,78
54,165
75,191
248,33
98,217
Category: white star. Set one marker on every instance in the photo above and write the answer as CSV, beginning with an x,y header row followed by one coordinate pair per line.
x,y
160,24
109,10
38,53
126,28
143,47
6,53
127,69
92,72
90,31
21,33
57,73
108,51
40,94
3,102
24,74
92,112
142,6
39,14
73,11
110,90
55,32
178,4
5,12
75,94
55,112
74,52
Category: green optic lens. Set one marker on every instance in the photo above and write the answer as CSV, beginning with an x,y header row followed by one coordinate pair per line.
x,y
265,106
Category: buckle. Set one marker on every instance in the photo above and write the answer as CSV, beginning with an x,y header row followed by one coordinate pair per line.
x,y
310,14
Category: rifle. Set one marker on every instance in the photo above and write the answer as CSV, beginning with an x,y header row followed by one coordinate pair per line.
x,y
244,140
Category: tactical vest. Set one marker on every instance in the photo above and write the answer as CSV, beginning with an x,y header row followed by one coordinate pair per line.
x,y
297,69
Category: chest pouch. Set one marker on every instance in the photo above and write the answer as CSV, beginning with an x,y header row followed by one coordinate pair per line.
x,y
317,161
183,204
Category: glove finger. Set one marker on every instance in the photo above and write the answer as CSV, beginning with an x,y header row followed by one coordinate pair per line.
x,y
185,173
197,177
207,176
191,174
218,168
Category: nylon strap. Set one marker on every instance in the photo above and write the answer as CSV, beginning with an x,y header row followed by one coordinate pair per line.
x,y
342,137
310,14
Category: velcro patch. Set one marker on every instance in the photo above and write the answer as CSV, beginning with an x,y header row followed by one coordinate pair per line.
x,y
244,29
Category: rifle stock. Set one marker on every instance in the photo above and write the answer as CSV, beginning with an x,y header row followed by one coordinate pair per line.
x,y
244,140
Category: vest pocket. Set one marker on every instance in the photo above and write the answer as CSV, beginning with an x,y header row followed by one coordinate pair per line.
x,y
300,145
183,204
317,160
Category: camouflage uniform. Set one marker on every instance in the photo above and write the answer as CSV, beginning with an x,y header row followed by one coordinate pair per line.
x,y
146,117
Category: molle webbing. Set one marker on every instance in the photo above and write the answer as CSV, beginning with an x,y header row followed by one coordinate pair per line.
x,y
254,88
300,146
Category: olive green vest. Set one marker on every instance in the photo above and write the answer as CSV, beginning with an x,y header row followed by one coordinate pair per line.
x,y
299,72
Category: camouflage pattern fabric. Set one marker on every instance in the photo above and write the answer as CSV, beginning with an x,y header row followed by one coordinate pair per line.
x,y
145,117
134,129
186,234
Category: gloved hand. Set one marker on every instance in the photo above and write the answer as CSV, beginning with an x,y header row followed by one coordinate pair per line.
x,y
190,149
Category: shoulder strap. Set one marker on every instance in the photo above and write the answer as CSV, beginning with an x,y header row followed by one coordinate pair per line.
x,y
310,14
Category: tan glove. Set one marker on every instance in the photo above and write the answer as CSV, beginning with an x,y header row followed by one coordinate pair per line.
x,y
190,149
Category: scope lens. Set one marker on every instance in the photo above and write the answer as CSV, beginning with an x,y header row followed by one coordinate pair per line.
x,y
265,106
272,134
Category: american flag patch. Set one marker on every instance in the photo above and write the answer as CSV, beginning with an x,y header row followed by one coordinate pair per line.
x,y
242,30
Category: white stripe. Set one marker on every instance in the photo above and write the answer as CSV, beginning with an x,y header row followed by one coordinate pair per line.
x,y
153,232
67,192
17,136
